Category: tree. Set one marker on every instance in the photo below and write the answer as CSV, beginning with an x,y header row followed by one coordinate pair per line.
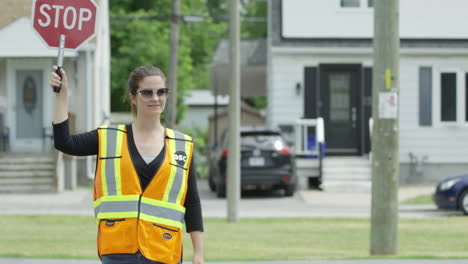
x,y
140,35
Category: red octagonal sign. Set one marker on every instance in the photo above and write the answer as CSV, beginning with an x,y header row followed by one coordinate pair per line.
x,y
72,18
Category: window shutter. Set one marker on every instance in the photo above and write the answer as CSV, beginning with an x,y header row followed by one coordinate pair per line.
x,y
425,96
310,92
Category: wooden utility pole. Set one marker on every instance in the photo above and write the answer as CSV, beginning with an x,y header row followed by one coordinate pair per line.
x,y
233,166
385,170
172,81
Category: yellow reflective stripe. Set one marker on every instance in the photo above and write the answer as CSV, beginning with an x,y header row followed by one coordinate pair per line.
x,y
103,141
160,220
172,150
188,152
163,204
116,215
118,153
116,198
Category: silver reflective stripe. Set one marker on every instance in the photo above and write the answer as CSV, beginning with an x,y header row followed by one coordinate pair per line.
x,y
116,207
178,135
110,163
179,175
162,212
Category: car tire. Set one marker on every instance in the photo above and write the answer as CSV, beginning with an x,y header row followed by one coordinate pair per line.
x,y
221,190
289,190
463,202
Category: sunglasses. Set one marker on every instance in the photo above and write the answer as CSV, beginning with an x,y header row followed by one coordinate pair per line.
x,y
148,93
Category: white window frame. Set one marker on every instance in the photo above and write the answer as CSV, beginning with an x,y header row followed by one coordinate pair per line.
x,y
460,97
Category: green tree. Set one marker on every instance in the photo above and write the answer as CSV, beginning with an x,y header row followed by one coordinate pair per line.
x,y
140,35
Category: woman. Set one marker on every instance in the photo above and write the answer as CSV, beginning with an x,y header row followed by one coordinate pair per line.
x,y
145,184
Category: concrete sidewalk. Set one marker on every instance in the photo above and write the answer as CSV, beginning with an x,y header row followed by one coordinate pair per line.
x,y
305,203
372,261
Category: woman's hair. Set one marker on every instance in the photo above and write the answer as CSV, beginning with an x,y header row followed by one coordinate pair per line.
x,y
137,76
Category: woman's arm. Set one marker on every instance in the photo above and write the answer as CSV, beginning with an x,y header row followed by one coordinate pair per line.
x,y
79,145
197,243
61,98
193,215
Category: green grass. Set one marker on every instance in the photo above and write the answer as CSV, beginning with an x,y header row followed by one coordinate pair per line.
x,y
421,199
250,239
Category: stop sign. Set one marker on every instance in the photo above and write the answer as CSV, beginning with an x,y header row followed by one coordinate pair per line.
x,y
74,19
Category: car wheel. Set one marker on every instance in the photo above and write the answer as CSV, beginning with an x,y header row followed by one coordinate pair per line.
x,y
463,202
289,190
221,190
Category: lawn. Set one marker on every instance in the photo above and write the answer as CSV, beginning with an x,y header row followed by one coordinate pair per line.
x,y
250,239
421,199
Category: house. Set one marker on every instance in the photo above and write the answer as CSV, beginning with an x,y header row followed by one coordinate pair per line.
x,y
201,105
320,65
27,101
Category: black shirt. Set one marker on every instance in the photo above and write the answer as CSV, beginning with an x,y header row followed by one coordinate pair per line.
x,y
88,144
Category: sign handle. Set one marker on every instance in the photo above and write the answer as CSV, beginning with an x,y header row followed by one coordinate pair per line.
x,y
60,61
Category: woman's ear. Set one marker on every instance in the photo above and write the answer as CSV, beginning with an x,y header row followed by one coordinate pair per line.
x,y
132,98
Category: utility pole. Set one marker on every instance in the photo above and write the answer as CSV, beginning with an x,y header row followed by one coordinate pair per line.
x,y
172,82
385,163
233,168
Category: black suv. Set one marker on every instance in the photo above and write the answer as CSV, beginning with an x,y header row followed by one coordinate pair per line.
x,y
265,162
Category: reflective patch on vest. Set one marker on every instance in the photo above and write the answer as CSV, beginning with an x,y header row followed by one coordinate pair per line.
x,y
180,157
167,236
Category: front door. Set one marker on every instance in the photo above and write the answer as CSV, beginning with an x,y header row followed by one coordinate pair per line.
x,y
29,132
339,106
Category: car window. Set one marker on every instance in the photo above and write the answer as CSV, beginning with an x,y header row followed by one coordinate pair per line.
x,y
262,141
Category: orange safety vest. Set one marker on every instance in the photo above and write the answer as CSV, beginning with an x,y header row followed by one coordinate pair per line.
x,y
129,219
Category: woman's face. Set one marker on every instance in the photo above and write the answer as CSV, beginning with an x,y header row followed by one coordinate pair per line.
x,y
151,96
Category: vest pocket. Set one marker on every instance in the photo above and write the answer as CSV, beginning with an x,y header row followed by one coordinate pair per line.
x,y
160,242
117,236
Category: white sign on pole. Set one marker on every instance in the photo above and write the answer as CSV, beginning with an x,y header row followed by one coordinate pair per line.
x,y
388,105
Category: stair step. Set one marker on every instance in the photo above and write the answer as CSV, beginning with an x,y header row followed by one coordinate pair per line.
x,y
26,181
26,174
27,167
29,160
27,188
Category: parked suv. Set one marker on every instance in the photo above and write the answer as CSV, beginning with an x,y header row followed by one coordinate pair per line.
x,y
265,162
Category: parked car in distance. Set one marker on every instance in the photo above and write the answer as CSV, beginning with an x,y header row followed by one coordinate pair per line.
x,y
265,162
452,193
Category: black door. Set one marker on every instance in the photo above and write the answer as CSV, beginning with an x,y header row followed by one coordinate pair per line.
x,y
339,106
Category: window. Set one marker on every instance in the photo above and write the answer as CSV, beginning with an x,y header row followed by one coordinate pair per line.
x,y
350,3
370,3
448,92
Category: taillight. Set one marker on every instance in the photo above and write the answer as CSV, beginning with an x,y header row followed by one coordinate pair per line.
x,y
281,148
225,153
285,151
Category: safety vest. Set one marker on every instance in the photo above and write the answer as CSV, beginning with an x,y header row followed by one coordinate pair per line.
x,y
129,219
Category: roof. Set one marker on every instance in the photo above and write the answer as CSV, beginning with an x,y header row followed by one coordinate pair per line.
x,y
13,9
252,52
204,97
19,39
253,57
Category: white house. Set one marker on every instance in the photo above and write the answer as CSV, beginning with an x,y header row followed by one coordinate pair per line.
x,y
26,99
320,64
